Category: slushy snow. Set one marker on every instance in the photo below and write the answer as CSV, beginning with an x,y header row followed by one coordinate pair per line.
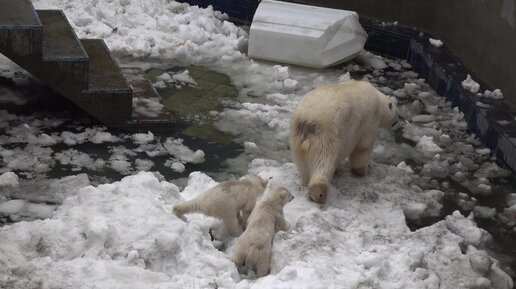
x,y
123,235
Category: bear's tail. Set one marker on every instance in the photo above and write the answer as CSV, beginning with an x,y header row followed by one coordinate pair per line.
x,y
184,208
318,191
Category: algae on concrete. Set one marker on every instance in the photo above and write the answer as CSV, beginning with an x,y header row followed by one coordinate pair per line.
x,y
193,104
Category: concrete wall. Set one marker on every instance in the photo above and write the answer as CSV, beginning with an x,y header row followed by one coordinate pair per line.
x,y
481,33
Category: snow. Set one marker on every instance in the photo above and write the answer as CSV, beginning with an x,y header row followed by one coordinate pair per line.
x,y
436,42
176,148
184,78
470,84
122,234
143,138
9,179
368,58
91,240
484,212
100,137
495,94
427,146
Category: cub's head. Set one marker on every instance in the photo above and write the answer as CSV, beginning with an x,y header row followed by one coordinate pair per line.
x,y
257,182
280,195
389,113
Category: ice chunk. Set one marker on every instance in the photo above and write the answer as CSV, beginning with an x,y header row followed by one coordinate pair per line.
x,y
509,216
370,59
102,136
415,132
184,78
9,179
436,42
251,147
143,138
491,170
495,94
410,87
467,229
176,148
414,211
470,84
423,118
143,165
484,212
11,207
427,146
405,167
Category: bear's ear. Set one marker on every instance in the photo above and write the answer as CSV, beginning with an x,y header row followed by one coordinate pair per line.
x,y
390,105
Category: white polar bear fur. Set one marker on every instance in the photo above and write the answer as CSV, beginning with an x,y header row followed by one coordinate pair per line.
x,y
232,202
332,123
255,245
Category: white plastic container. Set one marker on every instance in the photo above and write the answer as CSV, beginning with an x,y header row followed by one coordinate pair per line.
x,y
305,35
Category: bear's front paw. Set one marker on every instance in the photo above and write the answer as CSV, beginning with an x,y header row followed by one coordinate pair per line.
x,y
318,192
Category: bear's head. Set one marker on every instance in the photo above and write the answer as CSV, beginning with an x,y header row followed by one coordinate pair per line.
x,y
280,195
257,182
389,112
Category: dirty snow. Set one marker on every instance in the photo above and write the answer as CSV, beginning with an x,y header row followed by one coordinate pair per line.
x,y
122,234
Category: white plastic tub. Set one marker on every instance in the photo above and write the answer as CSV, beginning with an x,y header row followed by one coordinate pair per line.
x,y
304,35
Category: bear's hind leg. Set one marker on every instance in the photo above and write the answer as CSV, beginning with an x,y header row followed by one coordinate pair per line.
x,y
322,165
302,166
232,225
263,264
359,159
239,255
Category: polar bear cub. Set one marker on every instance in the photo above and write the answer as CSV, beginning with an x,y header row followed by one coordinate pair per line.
x,y
335,122
231,201
254,246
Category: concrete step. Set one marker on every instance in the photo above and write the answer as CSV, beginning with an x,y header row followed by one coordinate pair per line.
x,y
59,40
145,98
20,29
104,73
62,52
108,96
18,13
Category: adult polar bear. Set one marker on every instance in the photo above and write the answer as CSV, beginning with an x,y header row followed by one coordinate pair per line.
x,y
333,122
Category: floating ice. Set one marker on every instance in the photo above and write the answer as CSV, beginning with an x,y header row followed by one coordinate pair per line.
x,y
177,149
143,138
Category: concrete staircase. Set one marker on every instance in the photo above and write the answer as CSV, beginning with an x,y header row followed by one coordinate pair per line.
x,y
43,43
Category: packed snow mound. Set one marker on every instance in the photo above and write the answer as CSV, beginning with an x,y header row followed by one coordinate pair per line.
x,y
119,235
155,28
122,235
